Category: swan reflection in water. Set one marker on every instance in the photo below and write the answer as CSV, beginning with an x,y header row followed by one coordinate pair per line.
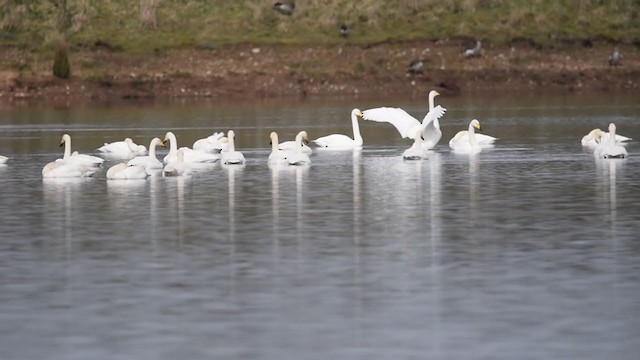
x,y
61,193
606,171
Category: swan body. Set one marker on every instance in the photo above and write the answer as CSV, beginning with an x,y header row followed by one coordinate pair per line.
x,y
291,146
75,158
339,141
608,148
590,138
3,159
407,125
415,152
150,161
298,157
212,144
482,139
277,156
468,144
123,171
231,156
126,148
177,167
61,169
190,155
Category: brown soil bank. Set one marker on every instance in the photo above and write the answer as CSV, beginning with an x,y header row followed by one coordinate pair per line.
x,y
102,73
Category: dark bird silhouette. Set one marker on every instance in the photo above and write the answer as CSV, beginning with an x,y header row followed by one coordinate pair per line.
x,y
285,8
416,67
344,30
474,51
615,58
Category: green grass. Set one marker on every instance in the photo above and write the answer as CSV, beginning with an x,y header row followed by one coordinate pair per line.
x,y
40,25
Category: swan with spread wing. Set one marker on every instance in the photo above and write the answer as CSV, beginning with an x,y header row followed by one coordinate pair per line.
x,y
407,125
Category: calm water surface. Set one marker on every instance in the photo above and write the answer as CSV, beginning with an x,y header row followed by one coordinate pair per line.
x,y
529,250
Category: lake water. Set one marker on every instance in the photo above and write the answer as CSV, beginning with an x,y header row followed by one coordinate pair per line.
x,y
529,250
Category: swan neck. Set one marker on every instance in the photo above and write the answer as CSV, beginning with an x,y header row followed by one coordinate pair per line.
x,y
67,147
298,144
472,135
274,143
173,146
152,149
356,129
232,145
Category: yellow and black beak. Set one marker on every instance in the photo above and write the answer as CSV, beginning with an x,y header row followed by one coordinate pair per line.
x,y
479,127
61,143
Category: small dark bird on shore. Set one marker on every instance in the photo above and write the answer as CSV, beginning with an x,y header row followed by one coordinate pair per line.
x,y
615,58
474,51
344,30
416,67
285,8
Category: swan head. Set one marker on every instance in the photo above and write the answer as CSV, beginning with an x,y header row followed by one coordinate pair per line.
x,y
303,137
612,129
65,138
433,93
156,141
231,134
476,124
356,112
167,137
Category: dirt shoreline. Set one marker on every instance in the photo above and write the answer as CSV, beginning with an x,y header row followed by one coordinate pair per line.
x,y
245,72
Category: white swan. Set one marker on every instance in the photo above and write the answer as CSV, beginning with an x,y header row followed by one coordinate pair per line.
x,y
190,155
339,141
298,157
126,148
150,161
75,158
407,124
415,152
481,139
468,144
277,156
61,169
177,166
3,159
607,147
590,139
212,144
231,156
123,171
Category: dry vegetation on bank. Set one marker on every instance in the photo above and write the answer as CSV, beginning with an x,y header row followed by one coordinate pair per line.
x,y
147,48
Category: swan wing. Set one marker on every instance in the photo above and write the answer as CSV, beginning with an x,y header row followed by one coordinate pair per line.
x,y
397,117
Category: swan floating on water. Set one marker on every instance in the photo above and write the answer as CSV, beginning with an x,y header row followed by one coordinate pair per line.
x,y
190,155
415,152
481,139
75,158
212,144
177,167
339,141
126,148
590,138
298,157
231,156
277,156
61,169
407,125
607,147
467,144
149,162
123,171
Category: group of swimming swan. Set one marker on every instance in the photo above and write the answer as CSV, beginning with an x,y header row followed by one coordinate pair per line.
x,y
218,147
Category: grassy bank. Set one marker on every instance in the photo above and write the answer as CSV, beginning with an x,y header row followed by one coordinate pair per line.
x,y
146,26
